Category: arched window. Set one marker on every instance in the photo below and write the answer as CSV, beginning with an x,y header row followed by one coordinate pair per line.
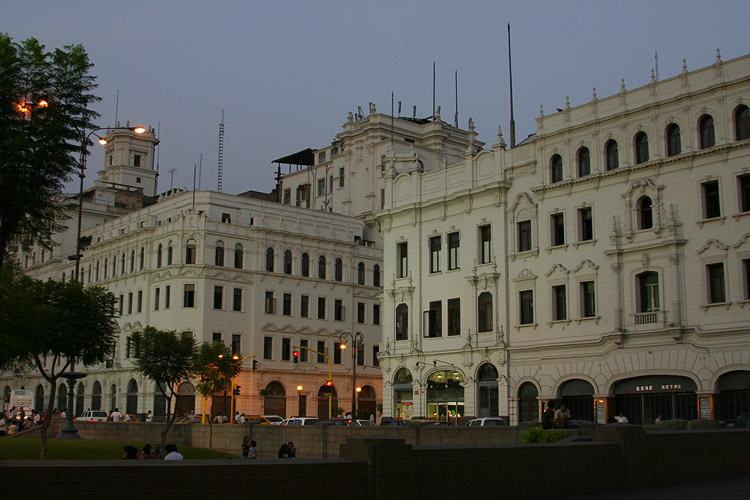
x,y
238,256
39,398
80,394
219,254
105,267
62,398
528,403
96,396
674,146
322,267
641,147
613,157
112,397
648,292
131,405
191,252
305,265
584,162
645,215
402,322
269,259
484,309
97,270
169,253
287,262
361,273
556,168
742,123
376,275
338,270
706,128
487,391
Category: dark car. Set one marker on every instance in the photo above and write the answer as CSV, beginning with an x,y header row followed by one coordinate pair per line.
x,y
392,423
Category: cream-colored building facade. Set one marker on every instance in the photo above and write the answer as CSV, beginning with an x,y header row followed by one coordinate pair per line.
x,y
253,274
603,262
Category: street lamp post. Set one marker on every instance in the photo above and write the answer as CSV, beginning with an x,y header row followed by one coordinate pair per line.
x,y
357,340
82,175
235,357
69,431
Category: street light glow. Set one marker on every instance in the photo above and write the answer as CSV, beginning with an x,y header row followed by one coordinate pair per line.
x,y
139,130
299,387
342,347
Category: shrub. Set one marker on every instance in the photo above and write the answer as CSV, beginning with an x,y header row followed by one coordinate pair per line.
x,y
539,435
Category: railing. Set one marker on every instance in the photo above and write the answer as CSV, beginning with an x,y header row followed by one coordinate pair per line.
x,y
646,318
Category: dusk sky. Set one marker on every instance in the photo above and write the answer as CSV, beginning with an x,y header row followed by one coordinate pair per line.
x,y
287,72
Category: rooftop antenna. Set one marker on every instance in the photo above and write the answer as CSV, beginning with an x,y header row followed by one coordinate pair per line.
x,y
414,113
200,170
512,120
433,90
656,64
171,178
117,106
221,150
194,169
399,106
456,120
158,151
399,109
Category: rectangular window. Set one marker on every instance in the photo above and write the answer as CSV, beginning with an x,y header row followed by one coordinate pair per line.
x,y
341,177
322,308
338,310
218,297
524,236
128,347
139,305
226,218
435,245
287,197
557,226
136,160
585,224
434,319
588,299
361,355
526,299
716,292
270,306
237,300
322,157
559,311
382,199
121,302
375,351
167,296
711,201
321,187
303,352
744,185
267,347
336,353
130,302
485,244
321,348
454,317
157,295
402,258
287,306
376,314
217,338
304,306
236,343
360,312
746,273
286,349
453,245
189,296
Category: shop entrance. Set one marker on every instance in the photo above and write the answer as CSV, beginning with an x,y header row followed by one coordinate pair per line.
x,y
487,391
445,396
578,396
643,399
403,395
734,396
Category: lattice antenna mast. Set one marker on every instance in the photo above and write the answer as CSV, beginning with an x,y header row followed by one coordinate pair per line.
x,y
656,65
221,151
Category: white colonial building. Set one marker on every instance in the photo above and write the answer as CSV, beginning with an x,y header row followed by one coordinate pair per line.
x,y
253,274
603,262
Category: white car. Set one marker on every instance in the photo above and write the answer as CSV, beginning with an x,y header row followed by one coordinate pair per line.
x,y
487,422
273,419
92,416
301,421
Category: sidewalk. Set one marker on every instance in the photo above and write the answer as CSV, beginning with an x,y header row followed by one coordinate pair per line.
x,y
735,487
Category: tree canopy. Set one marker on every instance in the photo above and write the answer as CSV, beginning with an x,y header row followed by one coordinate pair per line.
x,y
44,100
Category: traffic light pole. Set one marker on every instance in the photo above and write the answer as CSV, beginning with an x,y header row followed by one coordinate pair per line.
x,y
330,373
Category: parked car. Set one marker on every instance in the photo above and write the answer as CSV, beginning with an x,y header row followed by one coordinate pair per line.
x,y
92,416
487,422
392,423
427,421
345,422
301,421
274,419
366,422
255,419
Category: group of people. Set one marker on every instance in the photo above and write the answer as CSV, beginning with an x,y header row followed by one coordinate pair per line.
x,y
147,453
249,449
16,421
287,450
555,418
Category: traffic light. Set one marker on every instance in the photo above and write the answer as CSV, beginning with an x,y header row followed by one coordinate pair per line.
x,y
236,390
255,365
204,377
295,355
329,383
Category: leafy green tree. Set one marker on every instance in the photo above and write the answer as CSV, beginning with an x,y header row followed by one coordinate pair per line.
x,y
44,100
167,358
216,366
49,326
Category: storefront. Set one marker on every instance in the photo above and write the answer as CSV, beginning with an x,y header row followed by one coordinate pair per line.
x,y
733,400
445,396
642,399
578,396
403,394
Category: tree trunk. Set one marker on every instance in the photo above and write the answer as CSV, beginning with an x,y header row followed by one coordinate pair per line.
x,y
210,435
48,420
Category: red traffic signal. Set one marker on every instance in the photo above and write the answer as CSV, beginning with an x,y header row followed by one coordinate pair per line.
x,y
295,354
329,383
